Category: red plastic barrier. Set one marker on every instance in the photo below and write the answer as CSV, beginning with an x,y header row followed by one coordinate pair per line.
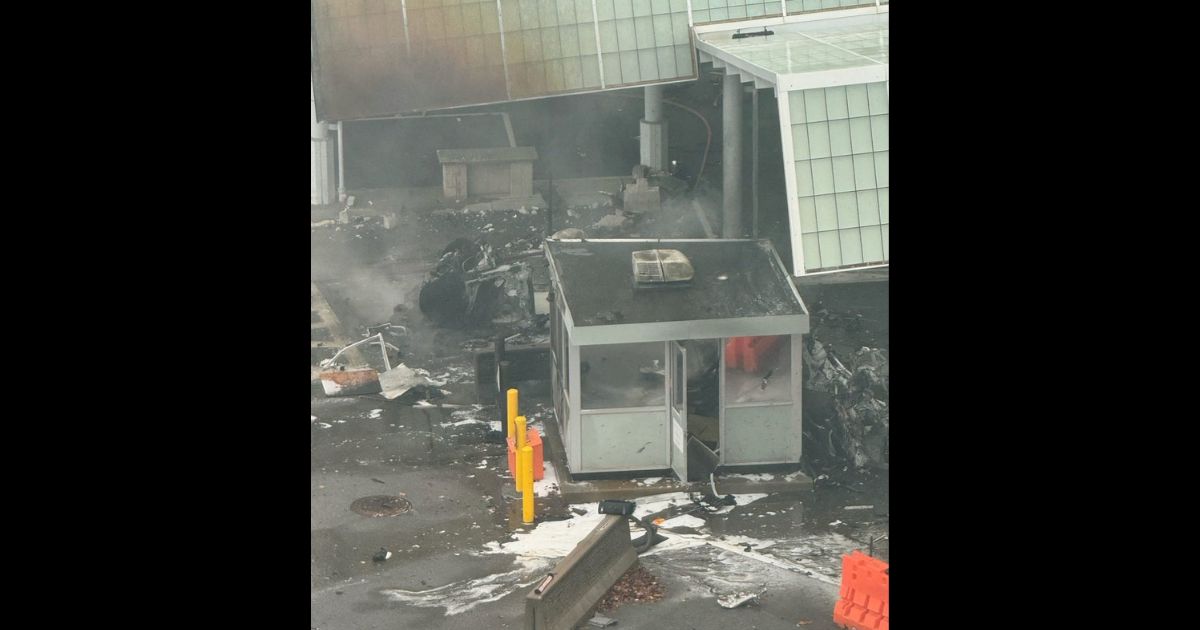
x,y
864,595
534,439
749,353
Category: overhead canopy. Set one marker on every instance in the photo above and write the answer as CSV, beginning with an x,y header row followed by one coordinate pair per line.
x,y
802,51
829,72
379,58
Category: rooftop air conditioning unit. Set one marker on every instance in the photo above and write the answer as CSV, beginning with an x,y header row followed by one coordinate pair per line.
x,y
661,267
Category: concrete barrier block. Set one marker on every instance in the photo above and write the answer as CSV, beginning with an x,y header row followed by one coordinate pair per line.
x,y
566,597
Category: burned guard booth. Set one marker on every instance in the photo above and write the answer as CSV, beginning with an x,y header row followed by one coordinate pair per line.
x,y
682,355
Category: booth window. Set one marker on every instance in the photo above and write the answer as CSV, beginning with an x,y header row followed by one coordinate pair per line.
x,y
758,369
622,375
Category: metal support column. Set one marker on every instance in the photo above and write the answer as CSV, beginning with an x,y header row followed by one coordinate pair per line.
x,y
653,131
754,160
322,167
731,155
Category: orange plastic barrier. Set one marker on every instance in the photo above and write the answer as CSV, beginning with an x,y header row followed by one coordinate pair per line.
x,y
749,353
864,596
534,439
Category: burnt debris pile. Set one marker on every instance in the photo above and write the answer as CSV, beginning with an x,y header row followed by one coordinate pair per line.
x,y
846,405
473,284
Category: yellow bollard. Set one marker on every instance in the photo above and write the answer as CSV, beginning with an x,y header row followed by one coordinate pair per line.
x,y
525,464
521,432
519,421
512,410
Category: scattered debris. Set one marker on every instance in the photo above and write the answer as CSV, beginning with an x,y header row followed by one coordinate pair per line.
x,y
613,222
471,285
610,317
736,600
857,402
569,233
344,214
350,382
859,507
637,585
378,480
382,555
340,380
418,394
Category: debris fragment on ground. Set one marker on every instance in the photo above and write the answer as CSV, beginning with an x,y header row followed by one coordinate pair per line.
x,y
637,585
736,600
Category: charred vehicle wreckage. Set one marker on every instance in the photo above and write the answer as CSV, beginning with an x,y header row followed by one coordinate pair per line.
x,y
473,285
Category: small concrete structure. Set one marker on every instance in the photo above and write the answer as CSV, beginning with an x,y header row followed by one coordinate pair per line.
x,y
492,172
688,377
641,197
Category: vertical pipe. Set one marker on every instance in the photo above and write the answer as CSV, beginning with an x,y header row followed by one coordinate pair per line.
x,y
501,399
754,160
341,160
731,155
550,190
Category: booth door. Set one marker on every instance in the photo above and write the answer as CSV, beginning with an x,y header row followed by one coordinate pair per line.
x,y
677,376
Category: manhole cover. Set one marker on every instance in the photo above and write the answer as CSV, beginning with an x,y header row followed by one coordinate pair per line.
x,y
381,505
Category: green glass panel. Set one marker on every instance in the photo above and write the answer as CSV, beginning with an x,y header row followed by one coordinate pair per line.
x,y
864,171
812,251
800,142
804,179
872,244
822,176
818,140
852,251
839,137
831,248
808,214
814,105
877,97
868,207
835,103
879,132
856,101
796,106
847,209
826,206
860,135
